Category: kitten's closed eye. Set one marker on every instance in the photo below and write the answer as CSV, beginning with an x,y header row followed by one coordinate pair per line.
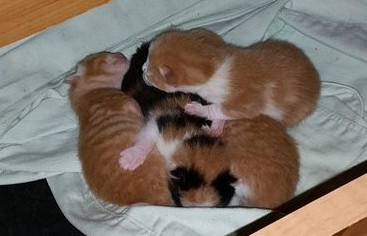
x,y
182,180
188,188
186,179
223,185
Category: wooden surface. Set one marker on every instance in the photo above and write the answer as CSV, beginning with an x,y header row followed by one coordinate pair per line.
x,y
358,229
21,18
325,216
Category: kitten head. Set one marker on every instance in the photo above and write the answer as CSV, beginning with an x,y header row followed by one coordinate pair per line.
x,y
99,70
178,58
201,177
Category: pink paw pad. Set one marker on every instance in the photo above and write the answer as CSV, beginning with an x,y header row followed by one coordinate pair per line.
x,y
131,158
194,108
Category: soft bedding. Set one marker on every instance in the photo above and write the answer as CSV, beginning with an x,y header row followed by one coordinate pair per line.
x,y
38,130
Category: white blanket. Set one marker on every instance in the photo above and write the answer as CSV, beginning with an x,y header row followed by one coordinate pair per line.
x,y
38,130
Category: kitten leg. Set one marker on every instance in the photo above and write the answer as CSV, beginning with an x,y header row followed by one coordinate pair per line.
x,y
135,155
215,129
211,112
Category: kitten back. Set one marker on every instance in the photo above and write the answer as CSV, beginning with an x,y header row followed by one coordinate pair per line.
x,y
109,121
264,157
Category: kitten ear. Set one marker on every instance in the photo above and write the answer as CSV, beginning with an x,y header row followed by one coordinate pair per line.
x,y
71,80
168,75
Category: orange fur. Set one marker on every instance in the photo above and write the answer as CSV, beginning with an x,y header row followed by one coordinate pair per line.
x,y
258,152
271,73
109,121
185,67
264,157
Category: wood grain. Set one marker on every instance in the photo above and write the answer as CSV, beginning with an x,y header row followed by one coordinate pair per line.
x,y
358,229
325,216
21,18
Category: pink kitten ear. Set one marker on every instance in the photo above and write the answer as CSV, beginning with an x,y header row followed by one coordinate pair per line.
x,y
168,75
72,79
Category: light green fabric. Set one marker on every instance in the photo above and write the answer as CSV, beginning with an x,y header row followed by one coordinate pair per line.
x,y
38,130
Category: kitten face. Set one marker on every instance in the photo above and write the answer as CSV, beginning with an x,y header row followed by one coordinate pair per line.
x,y
179,58
190,188
201,177
160,73
106,68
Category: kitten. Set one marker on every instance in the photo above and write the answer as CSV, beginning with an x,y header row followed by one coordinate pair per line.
x,y
255,163
273,78
156,106
109,121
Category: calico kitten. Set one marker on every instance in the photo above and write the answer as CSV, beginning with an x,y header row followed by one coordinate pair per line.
x,y
109,121
273,78
154,104
255,163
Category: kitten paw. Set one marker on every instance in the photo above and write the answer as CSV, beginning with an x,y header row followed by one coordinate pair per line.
x,y
131,158
216,129
195,109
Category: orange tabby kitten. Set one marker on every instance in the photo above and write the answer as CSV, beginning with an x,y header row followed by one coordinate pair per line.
x,y
273,78
109,121
254,159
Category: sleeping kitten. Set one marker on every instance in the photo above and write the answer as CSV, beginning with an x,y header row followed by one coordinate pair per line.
x,y
109,121
255,163
154,104
273,78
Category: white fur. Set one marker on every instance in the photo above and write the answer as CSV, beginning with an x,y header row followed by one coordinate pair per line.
x,y
273,112
235,201
242,193
134,156
167,149
270,109
145,66
216,88
146,73
212,111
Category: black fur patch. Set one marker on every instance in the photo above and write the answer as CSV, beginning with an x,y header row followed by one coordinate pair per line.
x,y
222,184
134,85
183,179
175,192
180,120
177,121
147,96
202,140
197,98
187,179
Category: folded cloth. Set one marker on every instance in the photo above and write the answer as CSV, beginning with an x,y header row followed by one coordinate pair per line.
x,y
38,130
